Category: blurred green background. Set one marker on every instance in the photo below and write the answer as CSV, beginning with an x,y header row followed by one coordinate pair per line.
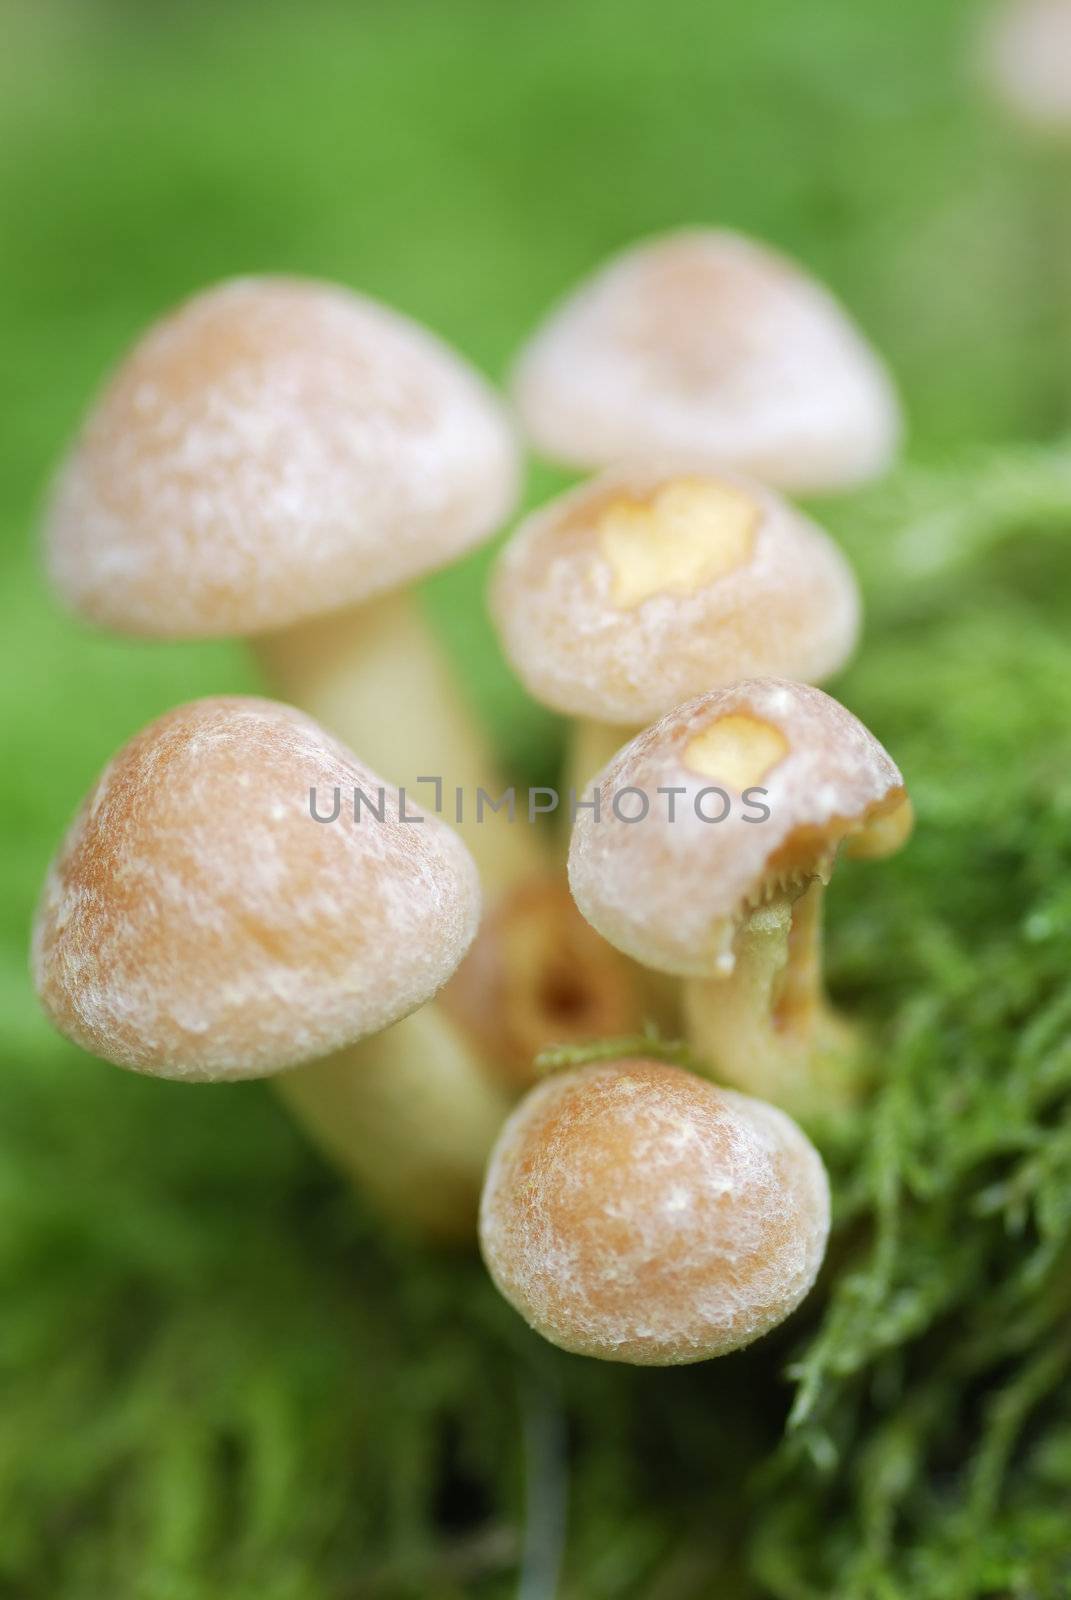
x,y
217,1377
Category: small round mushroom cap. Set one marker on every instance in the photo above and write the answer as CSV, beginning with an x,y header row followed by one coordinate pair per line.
x,y
1028,61
271,450
198,922
708,343
639,1213
770,778
650,584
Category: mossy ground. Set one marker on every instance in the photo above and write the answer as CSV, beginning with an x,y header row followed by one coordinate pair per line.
x,y
217,1377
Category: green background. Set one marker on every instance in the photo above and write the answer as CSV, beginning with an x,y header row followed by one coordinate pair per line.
x,y
217,1377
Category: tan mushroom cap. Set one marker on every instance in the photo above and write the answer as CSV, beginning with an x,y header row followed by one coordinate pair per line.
x,y
198,923
652,583
273,449
708,343
671,893
639,1213
538,976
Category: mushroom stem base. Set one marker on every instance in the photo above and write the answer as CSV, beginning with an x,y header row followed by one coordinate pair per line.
x,y
768,1028
410,1117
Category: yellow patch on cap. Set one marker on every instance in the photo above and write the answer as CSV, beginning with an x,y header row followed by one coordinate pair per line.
x,y
737,750
690,533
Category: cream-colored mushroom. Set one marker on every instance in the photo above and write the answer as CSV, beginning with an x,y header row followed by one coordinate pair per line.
x,y
538,976
707,343
199,922
652,583
635,1212
1027,61
279,459
716,833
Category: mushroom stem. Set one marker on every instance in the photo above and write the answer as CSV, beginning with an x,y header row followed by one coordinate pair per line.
x,y
589,746
411,1116
376,677
768,1027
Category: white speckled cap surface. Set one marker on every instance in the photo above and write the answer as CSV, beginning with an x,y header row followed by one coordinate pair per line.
x,y
668,893
273,449
639,1213
198,922
709,343
1027,60
655,582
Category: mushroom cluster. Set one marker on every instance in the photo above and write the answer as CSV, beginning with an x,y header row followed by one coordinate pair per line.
x,y
467,1023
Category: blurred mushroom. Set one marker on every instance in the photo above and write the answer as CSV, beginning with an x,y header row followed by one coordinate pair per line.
x,y
200,923
278,459
650,584
538,976
1027,61
717,831
707,343
638,1213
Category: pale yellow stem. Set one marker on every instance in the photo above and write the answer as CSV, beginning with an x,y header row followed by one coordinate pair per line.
x,y
589,746
768,1027
376,677
411,1113
411,1116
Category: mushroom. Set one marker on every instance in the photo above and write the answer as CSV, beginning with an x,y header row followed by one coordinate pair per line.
x,y
1028,61
715,836
707,343
278,459
538,976
201,922
651,583
635,1212
411,1114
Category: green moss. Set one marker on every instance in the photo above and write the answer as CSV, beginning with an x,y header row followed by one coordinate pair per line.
x,y
217,1377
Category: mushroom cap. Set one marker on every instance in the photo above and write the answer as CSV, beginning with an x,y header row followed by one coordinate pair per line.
x,y
671,893
198,922
639,1213
708,343
1028,61
537,976
272,450
654,582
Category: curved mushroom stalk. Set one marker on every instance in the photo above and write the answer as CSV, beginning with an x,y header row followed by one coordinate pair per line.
x,y
280,460
769,1026
730,898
